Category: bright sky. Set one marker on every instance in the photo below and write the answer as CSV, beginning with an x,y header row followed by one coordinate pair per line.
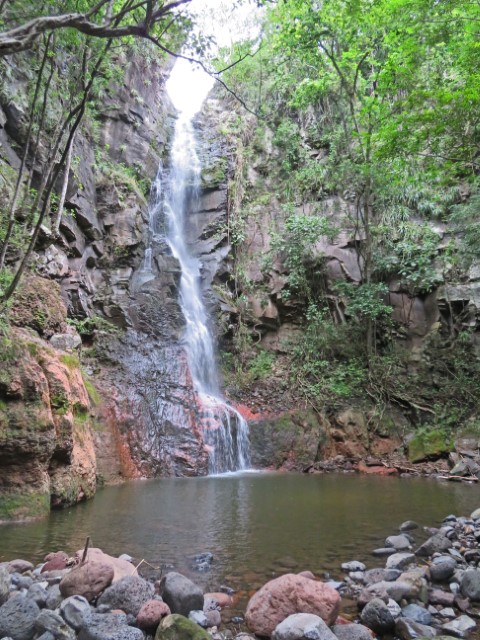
x,y
188,85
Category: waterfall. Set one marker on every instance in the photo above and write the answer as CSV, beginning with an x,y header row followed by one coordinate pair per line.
x,y
224,430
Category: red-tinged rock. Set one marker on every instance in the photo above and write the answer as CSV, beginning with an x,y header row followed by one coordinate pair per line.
x,y
55,562
287,595
19,566
151,613
307,574
222,599
342,620
121,568
87,580
377,471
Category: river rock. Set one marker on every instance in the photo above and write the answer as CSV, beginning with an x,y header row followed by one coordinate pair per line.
x,y
38,592
442,568
221,599
286,595
4,584
19,566
475,515
55,561
470,584
352,632
178,627
436,543
50,621
383,551
54,597
128,594
214,619
17,618
121,568
87,580
409,630
416,613
399,560
438,596
399,543
379,575
199,618
408,525
354,565
74,610
181,594
151,613
395,590
301,626
461,627
377,617
108,626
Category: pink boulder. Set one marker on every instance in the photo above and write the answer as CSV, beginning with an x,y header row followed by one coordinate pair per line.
x,y
121,568
222,599
286,595
87,580
55,562
151,613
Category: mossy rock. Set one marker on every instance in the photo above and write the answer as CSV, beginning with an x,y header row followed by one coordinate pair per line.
x,y
38,304
24,506
177,627
429,445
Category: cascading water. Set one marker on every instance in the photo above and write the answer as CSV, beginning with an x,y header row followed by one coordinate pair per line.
x,y
224,430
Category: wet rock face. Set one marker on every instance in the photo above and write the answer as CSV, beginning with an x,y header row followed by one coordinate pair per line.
x,y
46,448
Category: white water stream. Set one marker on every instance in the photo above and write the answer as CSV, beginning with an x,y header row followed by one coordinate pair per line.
x,y
175,193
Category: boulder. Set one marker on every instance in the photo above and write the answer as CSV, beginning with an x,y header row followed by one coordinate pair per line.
x,y
438,543
128,594
462,627
416,613
73,610
4,584
180,593
399,543
151,613
377,617
55,561
409,630
121,568
17,618
38,593
287,595
177,627
108,626
379,575
87,580
352,632
442,568
399,560
19,566
50,621
303,626
470,584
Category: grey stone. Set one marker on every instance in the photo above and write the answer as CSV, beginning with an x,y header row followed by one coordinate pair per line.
x,y
20,566
21,582
4,584
357,576
39,593
448,612
354,565
352,632
66,341
438,596
302,626
408,525
383,551
54,597
17,618
399,560
438,542
199,618
380,575
128,594
416,613
395,590
377,617
73,610
475,515
394,608
46,636
442,568
108,626
50,621
180,593
470,584
461,627
125,557
399,543
214,619
409,630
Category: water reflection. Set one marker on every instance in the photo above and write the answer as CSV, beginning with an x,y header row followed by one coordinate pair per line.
x,y
256,526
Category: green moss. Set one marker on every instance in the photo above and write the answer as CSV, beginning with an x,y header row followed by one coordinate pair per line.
x,y
92,392
59,403
177,627
71,360
431,444
24,506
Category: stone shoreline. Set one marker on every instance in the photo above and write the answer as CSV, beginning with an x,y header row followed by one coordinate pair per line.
x,y
411,591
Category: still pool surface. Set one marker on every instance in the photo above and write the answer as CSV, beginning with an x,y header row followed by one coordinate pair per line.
x,y
255,525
